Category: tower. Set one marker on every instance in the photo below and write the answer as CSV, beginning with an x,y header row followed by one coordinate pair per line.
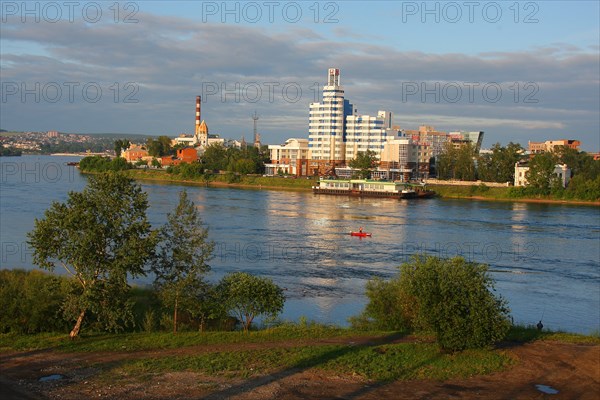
x,y
327,123
198,101
201,131
256,134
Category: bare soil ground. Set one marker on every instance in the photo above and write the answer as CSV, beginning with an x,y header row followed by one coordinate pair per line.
x,y
572,369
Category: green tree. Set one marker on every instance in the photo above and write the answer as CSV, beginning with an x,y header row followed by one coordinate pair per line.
x,y
159,147
243,166
446,162
457,163
183,255
207,306
541,177
455,299
499,166
580,162
214,157
120,145
100,236
364,162
248,296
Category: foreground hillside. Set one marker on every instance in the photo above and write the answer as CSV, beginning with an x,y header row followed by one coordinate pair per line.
x,y
335,364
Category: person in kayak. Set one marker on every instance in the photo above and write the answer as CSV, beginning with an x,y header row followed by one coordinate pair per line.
x,y
360,230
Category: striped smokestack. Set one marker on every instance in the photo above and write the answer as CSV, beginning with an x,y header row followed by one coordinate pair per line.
x,y
198,100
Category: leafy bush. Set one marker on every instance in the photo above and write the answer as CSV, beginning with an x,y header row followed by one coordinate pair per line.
x,y
451,297
455,299
247,296
389,307
31,301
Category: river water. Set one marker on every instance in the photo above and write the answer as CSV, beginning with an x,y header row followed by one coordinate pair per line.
x,y
545,258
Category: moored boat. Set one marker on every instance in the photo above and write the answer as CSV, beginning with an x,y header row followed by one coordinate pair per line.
x,y
372,188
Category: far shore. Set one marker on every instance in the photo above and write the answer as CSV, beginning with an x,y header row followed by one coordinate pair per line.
x,y
528,200
76,154
175,180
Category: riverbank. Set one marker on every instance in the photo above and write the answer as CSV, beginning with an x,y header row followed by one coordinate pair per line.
x,y
478,192
245,181
473,192
296,362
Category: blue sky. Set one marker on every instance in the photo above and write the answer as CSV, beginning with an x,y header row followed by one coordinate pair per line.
x,y
517,70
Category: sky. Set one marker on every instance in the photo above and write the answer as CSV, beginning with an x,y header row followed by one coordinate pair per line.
x,y
519,71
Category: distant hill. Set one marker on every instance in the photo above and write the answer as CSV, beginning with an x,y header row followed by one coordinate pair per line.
x,y
131,136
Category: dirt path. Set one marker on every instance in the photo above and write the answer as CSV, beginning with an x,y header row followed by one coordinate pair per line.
x,y
572,369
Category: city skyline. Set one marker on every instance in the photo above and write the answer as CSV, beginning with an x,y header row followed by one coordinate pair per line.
x,y
525,74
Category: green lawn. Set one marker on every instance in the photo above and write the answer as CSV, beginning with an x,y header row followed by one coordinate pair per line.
x,y
380,363
161,340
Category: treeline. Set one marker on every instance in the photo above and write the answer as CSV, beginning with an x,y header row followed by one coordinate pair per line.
x,y
37,302
451,299
245,160
103,164
216,158
585,176
96,145
9,151
463,163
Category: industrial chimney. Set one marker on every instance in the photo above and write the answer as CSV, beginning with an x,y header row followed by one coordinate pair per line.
x,y
198,101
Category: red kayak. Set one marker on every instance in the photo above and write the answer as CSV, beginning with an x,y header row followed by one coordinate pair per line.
x,y
360,234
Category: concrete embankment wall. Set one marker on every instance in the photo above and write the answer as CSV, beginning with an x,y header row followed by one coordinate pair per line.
x,y
466,183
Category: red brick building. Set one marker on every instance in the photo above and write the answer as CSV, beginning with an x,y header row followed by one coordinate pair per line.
x,y
187,155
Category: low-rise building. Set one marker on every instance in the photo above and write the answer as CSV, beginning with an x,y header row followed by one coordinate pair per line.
x,y
562,171
551,145
135,153
291,158
399,160
187,155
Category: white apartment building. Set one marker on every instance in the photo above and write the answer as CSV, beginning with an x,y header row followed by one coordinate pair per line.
x,y
562,172
365,132
326,132
289,158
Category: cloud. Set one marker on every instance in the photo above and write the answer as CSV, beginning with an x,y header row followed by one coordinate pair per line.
x,y
171,59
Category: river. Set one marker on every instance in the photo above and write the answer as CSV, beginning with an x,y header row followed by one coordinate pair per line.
x,y
545,258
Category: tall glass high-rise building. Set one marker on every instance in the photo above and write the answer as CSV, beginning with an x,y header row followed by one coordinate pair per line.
x,y
327,122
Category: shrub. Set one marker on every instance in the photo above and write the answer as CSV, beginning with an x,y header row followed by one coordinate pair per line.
x,y
455,299
452,298
389,307
247,296
30,301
